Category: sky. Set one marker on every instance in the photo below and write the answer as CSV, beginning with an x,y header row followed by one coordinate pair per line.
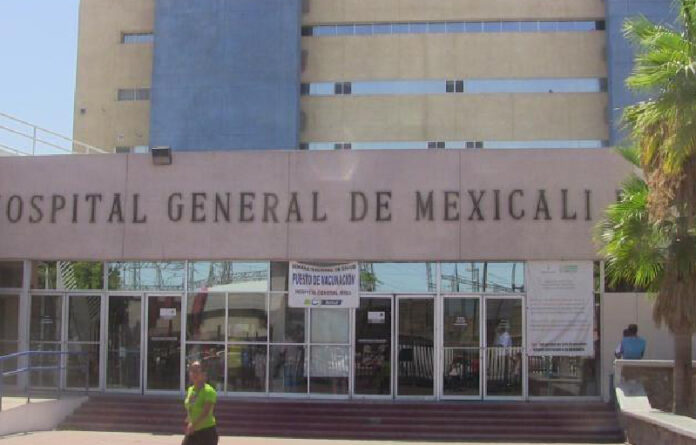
x,y
38,44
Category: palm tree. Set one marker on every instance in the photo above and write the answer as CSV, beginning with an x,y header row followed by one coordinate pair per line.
x,y
649,235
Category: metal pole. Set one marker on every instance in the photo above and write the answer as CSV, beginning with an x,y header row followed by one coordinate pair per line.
x,y
87,375
2,381
58,376
33,142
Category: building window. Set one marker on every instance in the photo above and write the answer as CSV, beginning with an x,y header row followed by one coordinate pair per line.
x,y
342,88
454,145
137,37
136,149
466,86
493,26
132,94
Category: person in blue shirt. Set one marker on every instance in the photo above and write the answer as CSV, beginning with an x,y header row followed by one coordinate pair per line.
x,y
632,346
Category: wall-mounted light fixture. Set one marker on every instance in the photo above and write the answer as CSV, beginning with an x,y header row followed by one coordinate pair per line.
x,y
161,155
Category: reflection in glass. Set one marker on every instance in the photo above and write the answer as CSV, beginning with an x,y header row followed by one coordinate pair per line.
x,y
288,369
228,276
213,359
330,325
504,371
497,277
205,316
461,322
9,317
67,275
247,320
373,346
246,368
563,376
6,348
123,343
83,319
11,273
287,324
329,369
461,372
504,347
146,275
83,366
44,377
45,317
415,350
163,342
398,277
279,276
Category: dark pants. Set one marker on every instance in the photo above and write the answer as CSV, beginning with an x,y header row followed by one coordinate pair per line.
x,y
206,436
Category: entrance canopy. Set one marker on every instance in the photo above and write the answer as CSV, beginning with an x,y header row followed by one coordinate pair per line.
x,y
344,205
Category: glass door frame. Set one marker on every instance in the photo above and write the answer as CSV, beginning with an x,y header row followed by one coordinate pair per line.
x,y
105,342
182,342
484,347
354,338
441,345
436,349
66,342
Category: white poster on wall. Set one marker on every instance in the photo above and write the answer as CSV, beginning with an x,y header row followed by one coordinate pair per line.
x,y
324,286
560,308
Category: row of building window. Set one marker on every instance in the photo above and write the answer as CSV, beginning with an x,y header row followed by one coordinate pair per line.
x,y
454,27
134,149
137,37
260,276
131,94
423,145
468,86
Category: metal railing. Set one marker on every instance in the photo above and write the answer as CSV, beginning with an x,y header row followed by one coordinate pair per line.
x,y
29,368
22,138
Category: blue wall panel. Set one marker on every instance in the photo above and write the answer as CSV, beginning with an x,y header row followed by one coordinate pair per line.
x,y
226,74
621,52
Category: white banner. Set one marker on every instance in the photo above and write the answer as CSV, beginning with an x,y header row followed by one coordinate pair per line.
x,y
560,308
324,286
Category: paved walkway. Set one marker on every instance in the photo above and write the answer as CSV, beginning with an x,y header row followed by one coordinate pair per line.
x,y
92,438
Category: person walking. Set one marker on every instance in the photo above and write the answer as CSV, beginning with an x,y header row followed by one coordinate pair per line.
x,y
200,403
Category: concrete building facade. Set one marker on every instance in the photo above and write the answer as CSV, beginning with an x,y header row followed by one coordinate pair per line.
x,y
459,73
146,267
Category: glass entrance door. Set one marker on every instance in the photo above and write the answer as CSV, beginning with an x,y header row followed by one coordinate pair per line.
x,y
163,362
123,368
83,335
503,347
373,347
415,348
461,358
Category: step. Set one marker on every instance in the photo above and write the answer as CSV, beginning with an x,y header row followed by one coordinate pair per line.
x,y
336,433
353,419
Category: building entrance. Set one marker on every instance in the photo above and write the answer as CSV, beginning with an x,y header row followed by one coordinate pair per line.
x,y
475,352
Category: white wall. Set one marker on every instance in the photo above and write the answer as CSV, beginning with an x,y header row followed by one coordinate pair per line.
x,y
618,311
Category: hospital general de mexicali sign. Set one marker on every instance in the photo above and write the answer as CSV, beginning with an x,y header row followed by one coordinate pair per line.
x,y
317,207
268,208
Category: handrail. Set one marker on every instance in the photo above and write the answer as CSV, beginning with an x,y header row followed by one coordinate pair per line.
x,y
30,368
34,138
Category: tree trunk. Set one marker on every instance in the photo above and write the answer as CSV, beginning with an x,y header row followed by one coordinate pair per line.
x,y
682,387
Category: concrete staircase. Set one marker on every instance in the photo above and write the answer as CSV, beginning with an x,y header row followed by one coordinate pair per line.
x,y
446,421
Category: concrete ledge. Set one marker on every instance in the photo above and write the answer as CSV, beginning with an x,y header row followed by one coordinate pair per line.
x,y
644,425
658,428
41,416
